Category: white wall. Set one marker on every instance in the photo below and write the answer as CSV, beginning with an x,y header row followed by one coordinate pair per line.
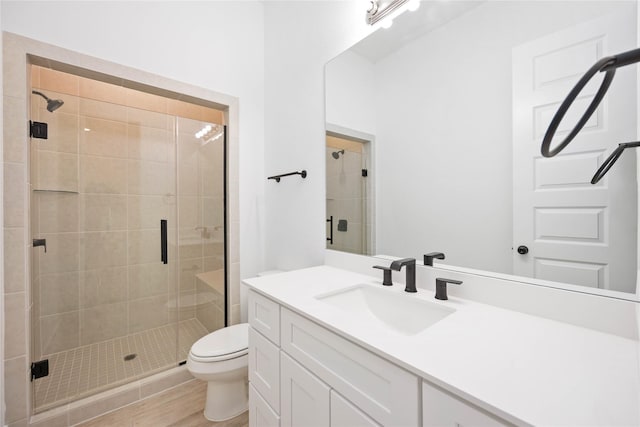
x,y
300,37
350,93
215,45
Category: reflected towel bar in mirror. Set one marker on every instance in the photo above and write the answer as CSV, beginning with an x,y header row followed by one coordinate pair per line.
x,y
602,171
607,65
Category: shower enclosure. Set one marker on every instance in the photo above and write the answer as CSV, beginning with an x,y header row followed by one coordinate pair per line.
x,y
108,306
349,190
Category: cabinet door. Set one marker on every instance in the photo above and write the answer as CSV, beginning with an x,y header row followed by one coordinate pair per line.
x,y
260,413
304,399
344,414
440,409
385,392
264,368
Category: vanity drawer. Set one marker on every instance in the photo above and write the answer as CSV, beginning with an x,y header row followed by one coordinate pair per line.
x,y
264,368
264,316
260,413
384,391
442,409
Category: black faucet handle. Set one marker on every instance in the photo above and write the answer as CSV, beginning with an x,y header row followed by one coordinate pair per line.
x,y
428,258
441,287
386,280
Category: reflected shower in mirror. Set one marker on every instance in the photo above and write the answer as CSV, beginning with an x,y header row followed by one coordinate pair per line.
x,y
349,191
457,97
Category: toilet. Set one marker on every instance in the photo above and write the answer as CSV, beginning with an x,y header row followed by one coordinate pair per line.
x,y
221,358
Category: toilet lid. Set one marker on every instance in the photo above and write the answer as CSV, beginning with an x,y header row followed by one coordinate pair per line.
x,y
225,341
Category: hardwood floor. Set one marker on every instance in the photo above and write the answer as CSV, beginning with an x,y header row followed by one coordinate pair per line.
x,y
181,406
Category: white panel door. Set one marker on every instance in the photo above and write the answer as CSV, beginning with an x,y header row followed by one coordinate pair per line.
x,y
304,398
576,232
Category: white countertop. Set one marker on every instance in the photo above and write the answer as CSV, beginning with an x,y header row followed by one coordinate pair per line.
x,y
525,369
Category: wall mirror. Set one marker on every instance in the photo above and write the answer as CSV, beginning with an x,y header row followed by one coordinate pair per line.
x,y
433,142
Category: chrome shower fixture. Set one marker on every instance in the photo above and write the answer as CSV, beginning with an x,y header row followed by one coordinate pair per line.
x,y
52,104
336,154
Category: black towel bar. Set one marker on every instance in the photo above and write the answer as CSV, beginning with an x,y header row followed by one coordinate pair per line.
x,y
302,173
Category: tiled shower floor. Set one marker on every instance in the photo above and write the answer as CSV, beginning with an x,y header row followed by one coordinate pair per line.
x,y
86,370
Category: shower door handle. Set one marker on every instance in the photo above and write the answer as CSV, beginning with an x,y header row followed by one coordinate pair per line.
x,y
164,253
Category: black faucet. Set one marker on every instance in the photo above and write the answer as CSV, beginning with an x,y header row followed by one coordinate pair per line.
x,y
428,258
411,272
441,287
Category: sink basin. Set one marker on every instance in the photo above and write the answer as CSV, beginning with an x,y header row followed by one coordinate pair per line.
x,y
403,314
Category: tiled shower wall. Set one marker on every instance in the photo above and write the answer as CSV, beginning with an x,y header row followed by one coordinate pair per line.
x,y
17,229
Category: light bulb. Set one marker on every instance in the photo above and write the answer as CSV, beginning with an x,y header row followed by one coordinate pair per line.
x,y
387,23
413,5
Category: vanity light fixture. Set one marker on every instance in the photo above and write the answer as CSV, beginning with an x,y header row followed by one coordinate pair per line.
x,y
202,132
389,10
205,134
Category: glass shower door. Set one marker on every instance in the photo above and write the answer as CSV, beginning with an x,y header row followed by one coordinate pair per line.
x,y
201,229
104,309
108,306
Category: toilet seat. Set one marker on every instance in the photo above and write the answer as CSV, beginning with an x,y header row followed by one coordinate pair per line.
x,y
224,344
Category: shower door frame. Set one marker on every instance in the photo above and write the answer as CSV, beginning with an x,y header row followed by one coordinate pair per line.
x,y
19,54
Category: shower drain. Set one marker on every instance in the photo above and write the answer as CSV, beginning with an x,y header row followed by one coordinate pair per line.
x,y
129,357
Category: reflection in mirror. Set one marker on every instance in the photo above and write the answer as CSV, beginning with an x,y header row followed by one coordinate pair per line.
x,y
457,96
349,191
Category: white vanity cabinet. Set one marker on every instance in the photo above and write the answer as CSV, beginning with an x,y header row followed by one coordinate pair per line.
x,y
264,361
385,392
260,413
441,409
345,414
305,398
373,374
321,379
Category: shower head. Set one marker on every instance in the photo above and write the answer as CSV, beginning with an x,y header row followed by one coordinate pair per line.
x,y
336,154
52,104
